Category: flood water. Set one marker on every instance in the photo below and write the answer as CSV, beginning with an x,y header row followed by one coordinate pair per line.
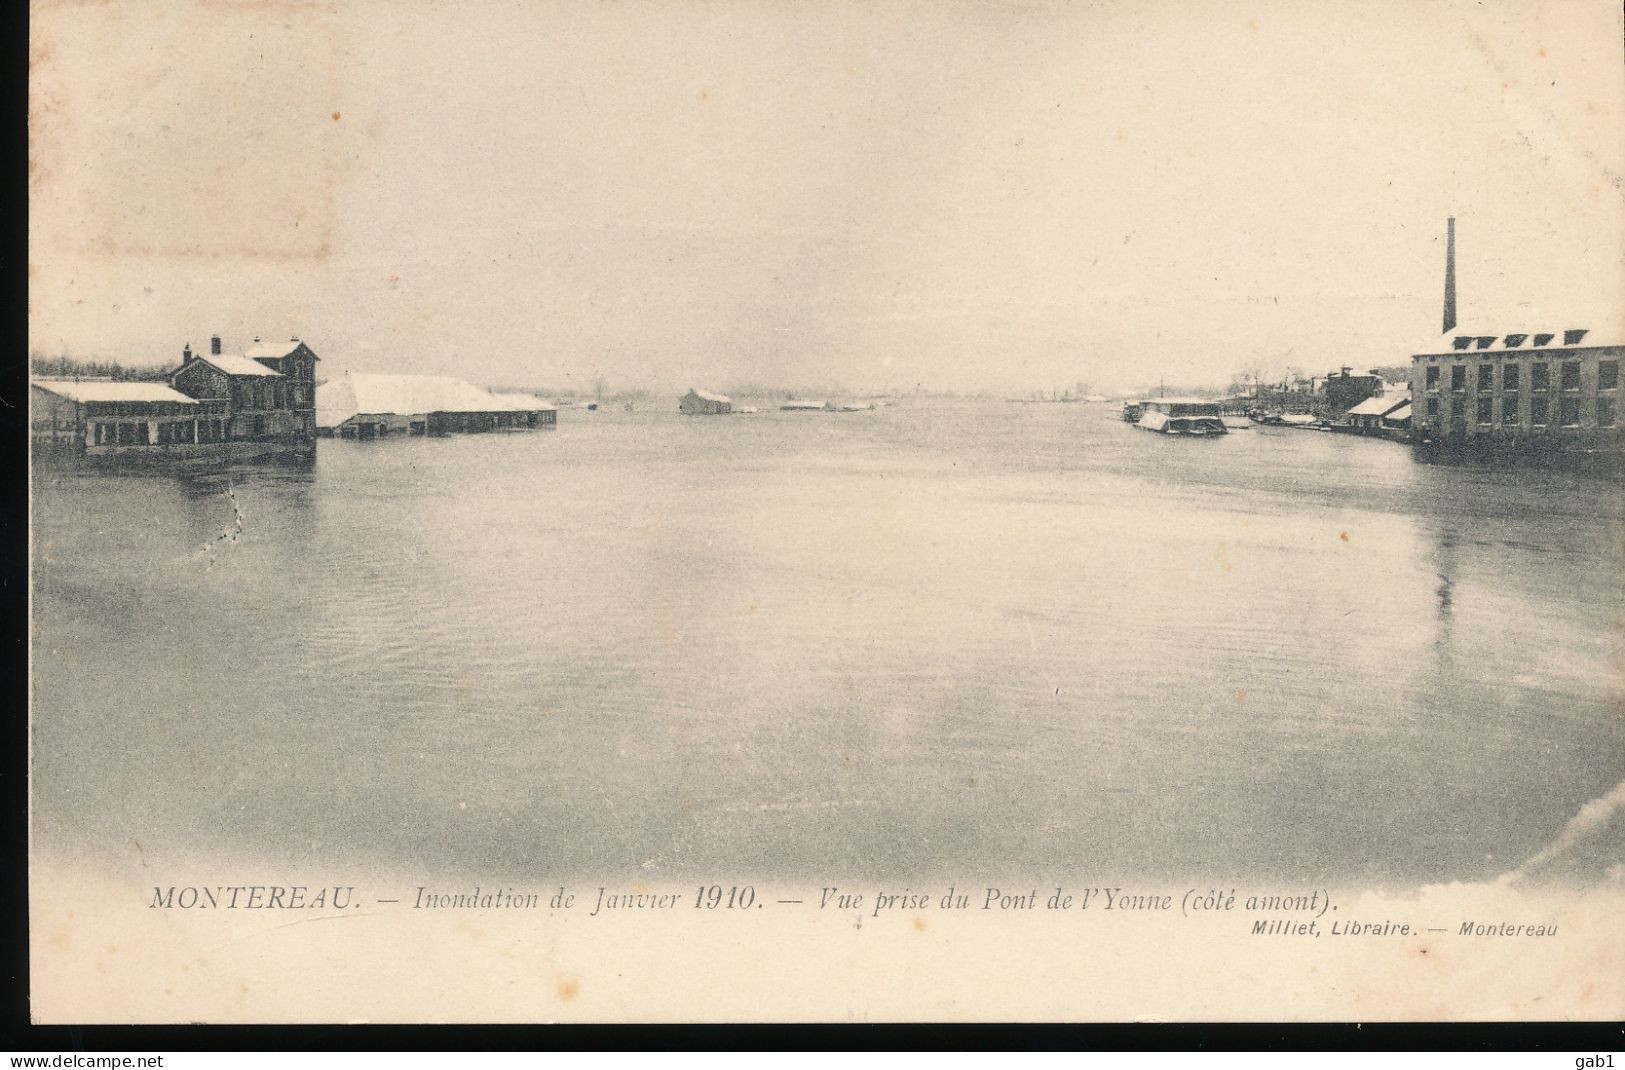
x,y
943,638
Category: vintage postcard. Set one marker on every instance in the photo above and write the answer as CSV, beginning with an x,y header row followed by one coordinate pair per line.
x,y
741,510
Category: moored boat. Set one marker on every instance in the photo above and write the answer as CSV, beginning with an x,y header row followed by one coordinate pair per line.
x,y
1182,416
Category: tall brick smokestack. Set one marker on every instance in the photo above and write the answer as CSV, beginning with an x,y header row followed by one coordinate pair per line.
x,y
1450,275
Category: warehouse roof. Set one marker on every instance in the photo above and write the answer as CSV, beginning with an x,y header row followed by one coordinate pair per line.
x,y
103,390
522,402
403,395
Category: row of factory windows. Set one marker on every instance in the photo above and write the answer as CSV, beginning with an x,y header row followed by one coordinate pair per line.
x,y
1540,376
269,395
1540,411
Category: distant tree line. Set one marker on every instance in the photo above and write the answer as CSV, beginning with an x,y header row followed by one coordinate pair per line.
x,y
66,367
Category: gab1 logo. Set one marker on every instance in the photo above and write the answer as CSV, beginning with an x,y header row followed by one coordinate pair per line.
x,y
1592,1062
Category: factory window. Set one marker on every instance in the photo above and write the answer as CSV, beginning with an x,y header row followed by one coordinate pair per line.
x,y
1486,377
1458,378
1571,375
1606,410
1540,377
259,426
1571,412
1433,406
1433,377
1607,375
1486,410
1509,377
1509,409
1539,411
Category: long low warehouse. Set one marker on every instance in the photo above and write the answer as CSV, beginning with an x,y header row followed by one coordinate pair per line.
x,y
368,405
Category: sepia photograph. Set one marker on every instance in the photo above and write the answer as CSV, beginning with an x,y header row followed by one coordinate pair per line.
x,y
808,510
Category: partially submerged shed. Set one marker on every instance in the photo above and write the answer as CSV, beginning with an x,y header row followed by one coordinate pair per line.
x,y
701,403
370,405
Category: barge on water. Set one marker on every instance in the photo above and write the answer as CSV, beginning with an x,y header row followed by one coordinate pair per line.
x,y
1181,416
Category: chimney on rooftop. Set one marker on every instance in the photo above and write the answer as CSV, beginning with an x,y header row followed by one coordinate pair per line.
x,y
214,345
1450,275
186,355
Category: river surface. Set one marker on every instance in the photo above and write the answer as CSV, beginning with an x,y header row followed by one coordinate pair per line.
x,y
942,638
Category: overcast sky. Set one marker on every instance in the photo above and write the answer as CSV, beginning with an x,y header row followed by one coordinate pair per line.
x,y
972,196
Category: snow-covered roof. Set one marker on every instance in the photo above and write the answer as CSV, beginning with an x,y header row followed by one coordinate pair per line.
x,y
1401,413
235,364
522,402
272,349
403,395
101,390
706,396
1379,406
1463,341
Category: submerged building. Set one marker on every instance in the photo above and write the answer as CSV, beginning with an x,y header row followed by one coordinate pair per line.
x,y
1387,414
367,405
99,417
215,405
701,403
269,398
1539,390
1527,391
